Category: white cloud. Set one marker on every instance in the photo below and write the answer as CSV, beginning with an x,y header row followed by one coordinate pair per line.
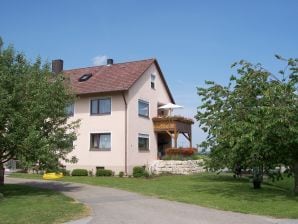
x,y
99,60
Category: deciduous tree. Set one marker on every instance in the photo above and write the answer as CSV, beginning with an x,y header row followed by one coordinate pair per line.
x,y
33,119
253,121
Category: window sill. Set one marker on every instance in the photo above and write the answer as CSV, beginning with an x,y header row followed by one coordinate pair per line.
x,y
144,150
100,114
99,150
142,116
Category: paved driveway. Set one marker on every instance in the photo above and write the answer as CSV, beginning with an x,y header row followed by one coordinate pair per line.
x,y
112,206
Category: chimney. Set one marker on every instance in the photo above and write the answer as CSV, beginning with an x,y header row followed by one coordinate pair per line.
x,y
57,66
109,61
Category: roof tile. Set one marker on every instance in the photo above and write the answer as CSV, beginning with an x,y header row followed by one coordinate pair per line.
x,y
115,77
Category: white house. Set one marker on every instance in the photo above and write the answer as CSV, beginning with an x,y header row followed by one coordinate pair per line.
x,y
117,105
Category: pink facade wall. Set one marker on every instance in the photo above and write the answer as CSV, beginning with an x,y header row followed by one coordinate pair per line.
x,y
142,90
115,124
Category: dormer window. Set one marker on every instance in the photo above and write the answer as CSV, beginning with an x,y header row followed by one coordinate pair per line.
x,y
153,81
85,77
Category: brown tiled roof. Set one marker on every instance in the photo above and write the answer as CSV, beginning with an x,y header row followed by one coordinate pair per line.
x,y
113,78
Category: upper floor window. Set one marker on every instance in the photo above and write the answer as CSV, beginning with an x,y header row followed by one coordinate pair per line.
x,y
143,108
101,106
70,110
100,141
153,81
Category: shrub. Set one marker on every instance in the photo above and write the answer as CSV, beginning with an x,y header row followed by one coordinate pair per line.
x,y
79,172
146,174
172,157
51,171
139,171
90,173
173,151
22,171
104,173
121,174
65,172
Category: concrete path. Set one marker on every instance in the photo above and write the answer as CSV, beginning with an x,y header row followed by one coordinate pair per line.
x,y
111,206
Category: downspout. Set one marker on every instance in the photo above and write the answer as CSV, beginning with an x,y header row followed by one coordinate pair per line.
x,y
125,131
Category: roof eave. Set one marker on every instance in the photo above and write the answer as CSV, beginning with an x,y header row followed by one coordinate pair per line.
x,y
164,81
162,78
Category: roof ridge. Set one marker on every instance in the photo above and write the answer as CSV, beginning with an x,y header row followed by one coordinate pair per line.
x,y
98,66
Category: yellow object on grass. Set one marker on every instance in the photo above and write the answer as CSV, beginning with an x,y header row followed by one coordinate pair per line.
x,y
52,176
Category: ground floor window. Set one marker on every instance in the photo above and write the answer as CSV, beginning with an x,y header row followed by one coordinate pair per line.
x,y
143,140
100,141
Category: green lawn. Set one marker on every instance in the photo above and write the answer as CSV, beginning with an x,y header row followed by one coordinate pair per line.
x,y
24,204
210,190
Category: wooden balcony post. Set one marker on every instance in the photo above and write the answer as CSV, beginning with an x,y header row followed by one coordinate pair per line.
x,y
176,138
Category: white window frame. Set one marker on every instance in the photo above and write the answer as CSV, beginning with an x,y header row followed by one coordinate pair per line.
x,y
146,102
145,136
98,99
100,149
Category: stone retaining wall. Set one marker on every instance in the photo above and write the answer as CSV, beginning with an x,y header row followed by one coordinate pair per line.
x,y
176,167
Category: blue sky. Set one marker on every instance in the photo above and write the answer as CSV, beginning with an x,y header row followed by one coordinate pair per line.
x,y
192,40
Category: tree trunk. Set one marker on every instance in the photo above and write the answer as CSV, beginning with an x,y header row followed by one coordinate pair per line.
x,y
1,174
296,177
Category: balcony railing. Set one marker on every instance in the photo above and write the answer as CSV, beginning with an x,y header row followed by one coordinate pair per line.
x,y
172,123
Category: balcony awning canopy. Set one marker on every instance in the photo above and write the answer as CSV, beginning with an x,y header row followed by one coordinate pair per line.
x,y
170,106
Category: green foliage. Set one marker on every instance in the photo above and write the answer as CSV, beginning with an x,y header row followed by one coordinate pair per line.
x,y
33,120
103,172
252,122
65,172
140,171
121,174
179,157
79,172
90,173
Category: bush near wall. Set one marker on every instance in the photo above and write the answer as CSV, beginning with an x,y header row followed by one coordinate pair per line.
x,y
139,171
104,173
180,151
79,172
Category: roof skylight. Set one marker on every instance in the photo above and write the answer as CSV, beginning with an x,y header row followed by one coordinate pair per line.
x,y
85,77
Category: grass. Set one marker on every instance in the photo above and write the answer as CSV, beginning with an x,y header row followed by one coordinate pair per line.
x,y
24,204
209,190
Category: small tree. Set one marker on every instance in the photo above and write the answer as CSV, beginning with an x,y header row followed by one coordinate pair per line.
x,y
253,121
33,119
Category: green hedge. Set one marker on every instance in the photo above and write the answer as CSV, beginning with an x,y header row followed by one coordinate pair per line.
x,y
139,171
79,172
121,174
65,172
104,173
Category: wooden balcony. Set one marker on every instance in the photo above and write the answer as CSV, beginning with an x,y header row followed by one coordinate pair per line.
x,y
174,125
